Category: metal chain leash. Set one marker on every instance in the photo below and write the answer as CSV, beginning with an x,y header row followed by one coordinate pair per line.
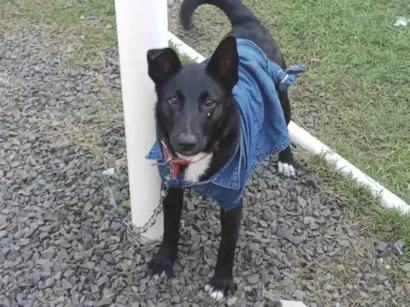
x,y
134,233
137,231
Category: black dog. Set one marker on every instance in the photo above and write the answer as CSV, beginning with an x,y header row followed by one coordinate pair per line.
x,y
202,129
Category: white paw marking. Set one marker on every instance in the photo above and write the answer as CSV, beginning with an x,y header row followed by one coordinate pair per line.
x,y
286,169
195,170
216,295
163,275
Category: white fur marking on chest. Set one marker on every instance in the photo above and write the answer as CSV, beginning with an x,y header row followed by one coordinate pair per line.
x,y
195,170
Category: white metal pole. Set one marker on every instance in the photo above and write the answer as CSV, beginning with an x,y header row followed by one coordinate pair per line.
x,y
141,25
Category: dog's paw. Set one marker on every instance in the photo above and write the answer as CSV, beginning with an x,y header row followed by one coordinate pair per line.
x,y
218,288
286,162
286,169
161,266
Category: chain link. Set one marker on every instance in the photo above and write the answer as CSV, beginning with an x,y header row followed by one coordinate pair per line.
x,y
143,229
134,233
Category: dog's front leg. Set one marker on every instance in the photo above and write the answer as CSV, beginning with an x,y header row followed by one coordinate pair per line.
x,y
163,262
222,281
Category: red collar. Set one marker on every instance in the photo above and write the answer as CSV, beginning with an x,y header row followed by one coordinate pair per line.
x,y
177,162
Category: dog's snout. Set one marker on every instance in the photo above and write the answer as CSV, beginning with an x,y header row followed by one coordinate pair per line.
x,y
186,142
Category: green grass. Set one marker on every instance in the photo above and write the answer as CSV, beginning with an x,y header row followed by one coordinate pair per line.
x,y
358,83
363,75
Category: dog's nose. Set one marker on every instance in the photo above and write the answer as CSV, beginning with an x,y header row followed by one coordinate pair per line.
x,y
186,142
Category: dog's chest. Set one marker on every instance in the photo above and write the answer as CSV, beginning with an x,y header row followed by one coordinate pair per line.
x,y
194,171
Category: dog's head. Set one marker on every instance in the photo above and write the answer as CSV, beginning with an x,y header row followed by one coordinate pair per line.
x,y
193,98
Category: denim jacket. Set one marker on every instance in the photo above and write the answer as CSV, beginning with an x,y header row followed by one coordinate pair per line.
x,y
263,128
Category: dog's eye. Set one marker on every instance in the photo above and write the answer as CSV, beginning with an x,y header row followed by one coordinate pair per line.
x,y
173,101
209,102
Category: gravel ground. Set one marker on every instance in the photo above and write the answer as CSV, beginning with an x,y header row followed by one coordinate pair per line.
x,y
62,237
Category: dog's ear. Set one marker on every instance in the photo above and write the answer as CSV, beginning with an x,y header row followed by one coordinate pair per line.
x,y
225,61
162,64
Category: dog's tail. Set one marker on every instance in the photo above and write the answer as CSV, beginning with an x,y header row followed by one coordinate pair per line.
x,y
236,11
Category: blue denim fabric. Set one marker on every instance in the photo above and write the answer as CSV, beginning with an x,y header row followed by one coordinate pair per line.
x,y
263,127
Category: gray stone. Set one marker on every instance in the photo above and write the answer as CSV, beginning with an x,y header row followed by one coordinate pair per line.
x,y
301,202
3,234
399,245
66,284
344,243
102,280
232,301
253,280
281,232
7,195
382,246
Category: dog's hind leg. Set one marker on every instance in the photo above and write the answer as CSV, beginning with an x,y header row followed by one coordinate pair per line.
x,y
286,160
